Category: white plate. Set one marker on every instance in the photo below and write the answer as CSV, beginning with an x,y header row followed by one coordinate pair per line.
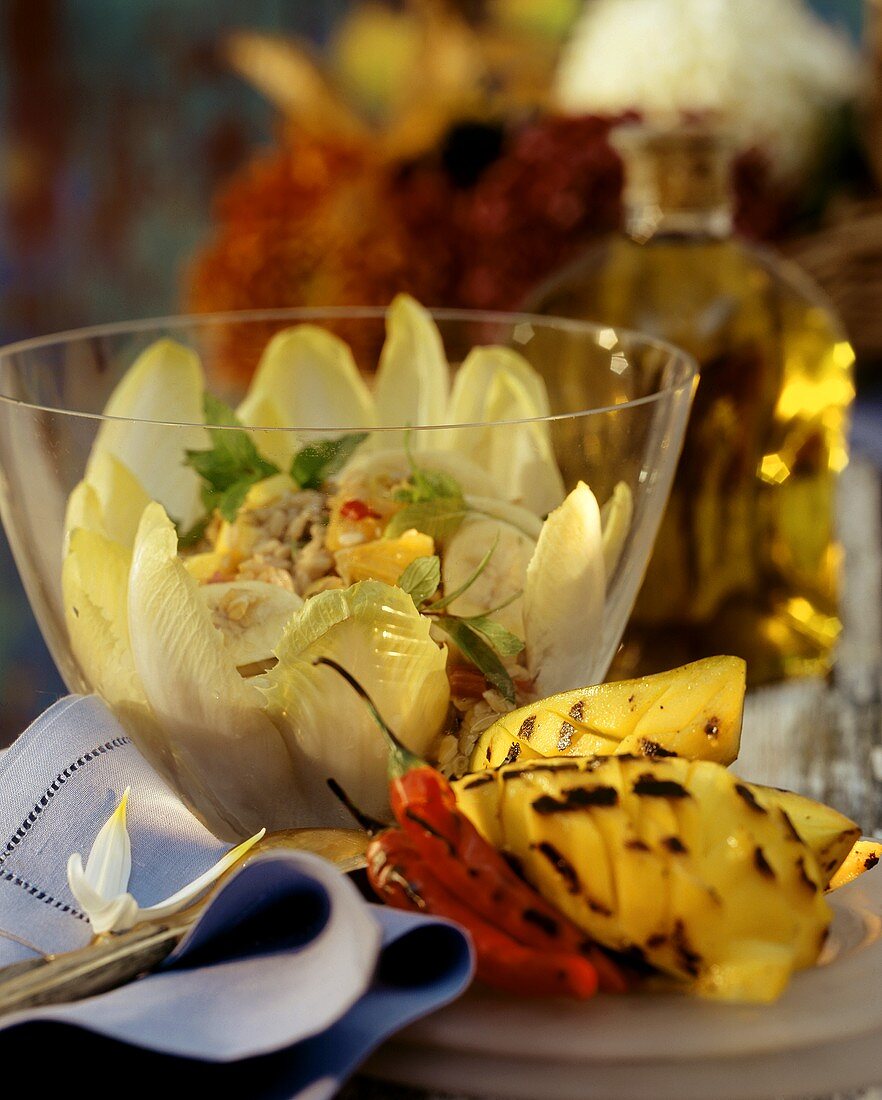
x,y
823,1035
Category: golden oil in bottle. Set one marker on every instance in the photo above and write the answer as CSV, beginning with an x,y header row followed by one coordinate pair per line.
x,y
746,559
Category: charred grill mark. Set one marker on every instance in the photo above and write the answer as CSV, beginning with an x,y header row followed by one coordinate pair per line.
x,y
576,798
577,710
747,795
871,861
636,844
513,753
426,827
804,877
761,863
526,730
565,737
598,907
712,729
541,920
561,864
530,768
515,863
688,958
657,940
790,827
478,781
653,749
675,844
488,755
659,788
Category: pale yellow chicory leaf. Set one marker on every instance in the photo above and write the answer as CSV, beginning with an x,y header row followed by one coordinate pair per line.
x,y
232,764
375,632
412,380
156,409
564,596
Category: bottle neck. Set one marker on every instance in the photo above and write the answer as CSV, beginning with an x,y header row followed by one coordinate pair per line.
x,y
677,183
644,221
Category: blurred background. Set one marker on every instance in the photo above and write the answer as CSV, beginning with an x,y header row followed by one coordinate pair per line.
x,y
162,156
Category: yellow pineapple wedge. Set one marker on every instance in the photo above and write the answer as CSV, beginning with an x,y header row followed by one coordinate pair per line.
x,y
864,856
693,711
703,876
382,559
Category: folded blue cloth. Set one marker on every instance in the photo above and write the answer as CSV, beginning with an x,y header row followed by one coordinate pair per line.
x,y
283,987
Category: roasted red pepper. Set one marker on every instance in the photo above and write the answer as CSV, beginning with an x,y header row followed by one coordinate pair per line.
x,y
480,877
401,877
356,510
438,862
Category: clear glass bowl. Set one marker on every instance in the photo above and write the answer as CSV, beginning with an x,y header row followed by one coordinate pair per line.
x,y
617,406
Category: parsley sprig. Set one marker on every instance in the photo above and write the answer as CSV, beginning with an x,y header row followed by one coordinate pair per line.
x,y
233,464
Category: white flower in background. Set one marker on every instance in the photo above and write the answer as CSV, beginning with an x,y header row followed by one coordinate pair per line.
x,y
769,66
101,887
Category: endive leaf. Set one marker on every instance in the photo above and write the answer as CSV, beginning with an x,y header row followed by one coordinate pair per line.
x,y
121,496
376,633
564,596
494,385
476,374
232,764
94,583
615,521
158,397
306,378
412,380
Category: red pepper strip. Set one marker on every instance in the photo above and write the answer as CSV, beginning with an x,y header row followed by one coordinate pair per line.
x,y
479,876
400,877
357,510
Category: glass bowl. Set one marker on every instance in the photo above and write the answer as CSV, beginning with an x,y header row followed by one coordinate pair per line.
x,y
452,434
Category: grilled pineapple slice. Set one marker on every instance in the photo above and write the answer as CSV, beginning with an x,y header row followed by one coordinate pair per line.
x,y
863,857
692,711
677,861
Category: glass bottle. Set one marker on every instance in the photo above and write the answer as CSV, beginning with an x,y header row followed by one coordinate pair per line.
x,y
746,559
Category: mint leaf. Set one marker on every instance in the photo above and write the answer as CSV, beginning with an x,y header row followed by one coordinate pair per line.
x,y
421,578
503,641
232,465
475,649
316,462
439,518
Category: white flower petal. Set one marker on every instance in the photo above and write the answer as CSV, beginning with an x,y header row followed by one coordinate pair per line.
x,y
193,889
110,861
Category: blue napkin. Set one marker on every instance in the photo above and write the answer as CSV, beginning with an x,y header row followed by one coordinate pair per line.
x,y
284,986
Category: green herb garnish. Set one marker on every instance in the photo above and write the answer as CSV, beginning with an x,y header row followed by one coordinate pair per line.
x,y
481,640
475,649
421,578
316,462
232,465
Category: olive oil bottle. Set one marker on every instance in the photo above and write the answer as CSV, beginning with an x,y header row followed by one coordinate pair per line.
x,y
746,559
